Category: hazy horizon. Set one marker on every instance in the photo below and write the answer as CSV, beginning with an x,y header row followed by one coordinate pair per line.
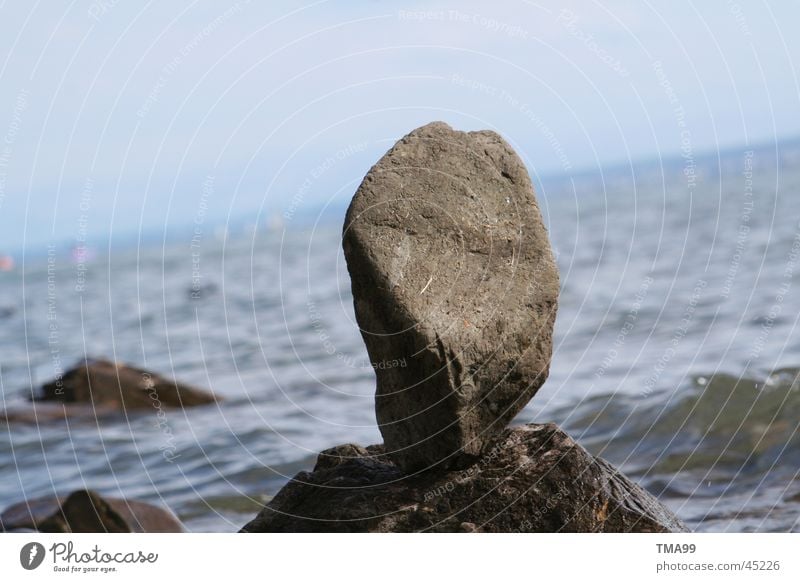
x,y
330,214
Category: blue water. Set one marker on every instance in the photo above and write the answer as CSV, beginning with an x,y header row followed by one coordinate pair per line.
x,y
676,353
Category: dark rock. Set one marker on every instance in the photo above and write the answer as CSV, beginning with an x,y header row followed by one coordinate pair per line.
x,y
114,385
87,512
453,277
84,512
532,478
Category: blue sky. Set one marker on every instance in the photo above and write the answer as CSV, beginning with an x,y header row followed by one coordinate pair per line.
x,y
120,116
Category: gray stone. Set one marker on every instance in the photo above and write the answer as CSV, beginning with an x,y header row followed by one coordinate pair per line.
x,y
453,277
532,478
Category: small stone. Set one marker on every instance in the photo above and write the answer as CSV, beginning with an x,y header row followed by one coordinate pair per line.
x,y
334,456
108,384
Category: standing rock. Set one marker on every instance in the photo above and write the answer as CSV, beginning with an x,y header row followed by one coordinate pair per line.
x,y
455,291
453,277
532,478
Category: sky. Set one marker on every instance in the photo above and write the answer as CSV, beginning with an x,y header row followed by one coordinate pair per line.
x,y
120,117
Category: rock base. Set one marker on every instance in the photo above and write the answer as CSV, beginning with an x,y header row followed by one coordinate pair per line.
x,y
532,478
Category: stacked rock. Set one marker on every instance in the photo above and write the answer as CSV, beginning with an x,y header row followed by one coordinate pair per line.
x,y
453,276
452,273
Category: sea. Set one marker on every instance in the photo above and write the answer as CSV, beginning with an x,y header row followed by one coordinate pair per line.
x,y
676,351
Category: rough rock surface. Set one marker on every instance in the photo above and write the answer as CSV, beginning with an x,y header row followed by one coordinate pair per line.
x,y
85,511
532,478
115,385
453,277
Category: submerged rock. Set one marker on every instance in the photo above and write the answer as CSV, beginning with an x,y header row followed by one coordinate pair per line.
x,y
85,511
453,275
112,385
532,478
